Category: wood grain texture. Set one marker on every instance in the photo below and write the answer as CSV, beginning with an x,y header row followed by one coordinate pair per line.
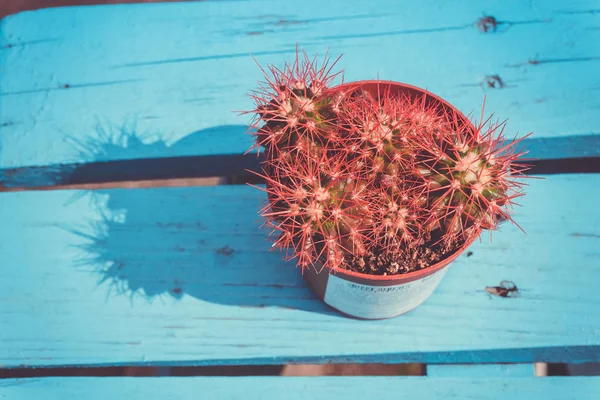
x,y
182,276
72,77
324,388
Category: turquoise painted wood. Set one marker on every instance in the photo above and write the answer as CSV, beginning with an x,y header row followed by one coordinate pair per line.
x,y
480,370
325,388
182,276
71,78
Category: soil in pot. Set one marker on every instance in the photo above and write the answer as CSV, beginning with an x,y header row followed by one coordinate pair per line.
x,y
398,262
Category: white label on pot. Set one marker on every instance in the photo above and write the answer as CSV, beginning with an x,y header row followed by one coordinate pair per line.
x,y
374,302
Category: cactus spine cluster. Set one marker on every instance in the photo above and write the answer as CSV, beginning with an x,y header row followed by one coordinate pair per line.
x,y
356,173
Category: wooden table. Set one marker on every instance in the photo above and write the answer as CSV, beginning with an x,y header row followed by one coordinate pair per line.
x,y
96,275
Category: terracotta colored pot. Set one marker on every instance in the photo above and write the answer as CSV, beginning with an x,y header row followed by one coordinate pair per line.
x,y
366,296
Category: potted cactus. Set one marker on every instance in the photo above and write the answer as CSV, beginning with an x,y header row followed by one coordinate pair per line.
x,y
375,187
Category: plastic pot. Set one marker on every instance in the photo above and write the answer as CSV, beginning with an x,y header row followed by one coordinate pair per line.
x,y
366,296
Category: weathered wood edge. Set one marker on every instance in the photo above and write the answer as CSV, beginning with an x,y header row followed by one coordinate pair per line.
x,y
570,154
564,354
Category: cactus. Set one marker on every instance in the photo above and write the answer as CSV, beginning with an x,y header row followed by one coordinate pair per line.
x,y
374,181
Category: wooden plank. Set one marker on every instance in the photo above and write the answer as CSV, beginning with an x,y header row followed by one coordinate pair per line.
x,y
480,370
182,276
72,77
574,154
557,148
326,388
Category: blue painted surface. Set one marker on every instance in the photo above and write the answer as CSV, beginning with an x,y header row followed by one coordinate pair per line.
x,y
129,142
176,276
174,69
325,388
480,370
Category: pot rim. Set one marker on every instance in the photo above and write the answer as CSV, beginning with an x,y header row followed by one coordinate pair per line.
x,y
422,273
404,86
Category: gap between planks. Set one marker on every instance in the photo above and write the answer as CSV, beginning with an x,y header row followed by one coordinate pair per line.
x,y
576,154
541,167
149,183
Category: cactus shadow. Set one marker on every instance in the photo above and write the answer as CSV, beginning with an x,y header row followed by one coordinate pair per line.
x,y
176,242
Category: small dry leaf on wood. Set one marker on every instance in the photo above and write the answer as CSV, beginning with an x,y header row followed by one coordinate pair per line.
x,y
505,289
